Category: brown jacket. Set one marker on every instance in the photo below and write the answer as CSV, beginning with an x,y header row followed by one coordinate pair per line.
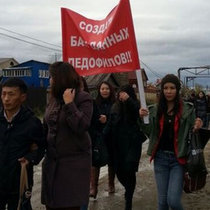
x,y
66,167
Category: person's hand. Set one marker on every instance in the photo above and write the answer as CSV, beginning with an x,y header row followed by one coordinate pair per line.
x,y
143,112
123,96
68,95
102,118
23,161
198,124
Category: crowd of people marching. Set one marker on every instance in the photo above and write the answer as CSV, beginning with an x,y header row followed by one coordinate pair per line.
x,y
79,135
201,102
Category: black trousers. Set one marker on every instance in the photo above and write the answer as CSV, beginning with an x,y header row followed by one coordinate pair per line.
x,y
9,200
128,180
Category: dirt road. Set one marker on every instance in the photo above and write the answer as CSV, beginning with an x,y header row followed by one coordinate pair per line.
x,y
145,193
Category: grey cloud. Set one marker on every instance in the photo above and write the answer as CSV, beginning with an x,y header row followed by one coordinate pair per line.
x,y
170,34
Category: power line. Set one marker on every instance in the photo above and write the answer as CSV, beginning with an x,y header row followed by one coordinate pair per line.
x,y
19,39
22,40
154,72
29,37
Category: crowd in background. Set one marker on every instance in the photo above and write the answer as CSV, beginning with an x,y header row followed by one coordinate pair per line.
x,y
201,102
81,134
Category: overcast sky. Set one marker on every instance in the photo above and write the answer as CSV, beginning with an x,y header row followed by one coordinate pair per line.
x,y
170,33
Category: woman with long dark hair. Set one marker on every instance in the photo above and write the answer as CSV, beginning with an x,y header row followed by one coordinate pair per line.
x,y
101,111
201,107
169,123
67,163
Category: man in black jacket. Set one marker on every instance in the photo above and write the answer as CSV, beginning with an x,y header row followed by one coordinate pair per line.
x,y
21,141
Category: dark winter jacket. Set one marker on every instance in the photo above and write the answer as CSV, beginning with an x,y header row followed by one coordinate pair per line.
x,y
208,104
96,126
66,167
201,107
16,139
126,135
96,129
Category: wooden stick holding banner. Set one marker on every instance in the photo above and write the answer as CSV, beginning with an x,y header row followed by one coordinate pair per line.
x,y
141,93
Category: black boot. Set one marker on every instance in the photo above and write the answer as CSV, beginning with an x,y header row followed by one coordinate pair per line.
x,y
128,204
95,171
128,200
111,176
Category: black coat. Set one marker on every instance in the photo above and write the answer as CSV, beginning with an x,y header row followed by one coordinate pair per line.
x,y
96,129
126,135
201,110
66,166
16,139
96,126
201,107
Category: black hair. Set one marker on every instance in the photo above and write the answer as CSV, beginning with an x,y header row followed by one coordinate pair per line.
x,y
100,99
162,105
16,82
84,85
204,96
64,76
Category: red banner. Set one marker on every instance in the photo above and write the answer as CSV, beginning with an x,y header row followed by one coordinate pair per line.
x,y
104,46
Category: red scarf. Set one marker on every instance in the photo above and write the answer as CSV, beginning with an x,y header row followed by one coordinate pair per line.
x,y
176,130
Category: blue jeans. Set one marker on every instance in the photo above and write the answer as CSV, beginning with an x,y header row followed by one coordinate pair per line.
x,y
169,179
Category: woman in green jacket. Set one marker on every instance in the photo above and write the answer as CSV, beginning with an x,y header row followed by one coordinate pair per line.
x,y
170,121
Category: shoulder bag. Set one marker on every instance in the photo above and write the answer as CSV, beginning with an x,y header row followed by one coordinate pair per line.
x,y
196,172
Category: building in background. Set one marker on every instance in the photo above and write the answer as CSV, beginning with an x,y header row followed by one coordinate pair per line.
x,y
116,80
94,81
34,73
6,63
133,79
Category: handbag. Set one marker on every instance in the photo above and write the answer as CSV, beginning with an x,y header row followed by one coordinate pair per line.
x,y
195,168
25,192
100,153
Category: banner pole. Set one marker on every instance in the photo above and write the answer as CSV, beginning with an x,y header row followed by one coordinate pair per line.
x,y
141,93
